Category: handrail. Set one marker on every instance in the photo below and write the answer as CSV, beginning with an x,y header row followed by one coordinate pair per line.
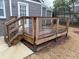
x,y
10,20
29,17
35,25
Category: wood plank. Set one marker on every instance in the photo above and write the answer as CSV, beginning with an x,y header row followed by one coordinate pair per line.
x,y
40,41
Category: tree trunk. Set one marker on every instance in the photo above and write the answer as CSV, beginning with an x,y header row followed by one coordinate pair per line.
x,y
73,13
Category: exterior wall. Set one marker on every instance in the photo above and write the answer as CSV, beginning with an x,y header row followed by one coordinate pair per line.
x,y
34,9
15,7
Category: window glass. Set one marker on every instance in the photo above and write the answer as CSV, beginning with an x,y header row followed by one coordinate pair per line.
x,y
22,10
1,4
1,8
1,12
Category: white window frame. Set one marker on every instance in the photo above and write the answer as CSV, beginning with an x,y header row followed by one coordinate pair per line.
x,y
27,11
10,3
3,10
34,2
42,11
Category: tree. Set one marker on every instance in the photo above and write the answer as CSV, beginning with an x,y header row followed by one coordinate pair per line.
x,y
72,2
61,6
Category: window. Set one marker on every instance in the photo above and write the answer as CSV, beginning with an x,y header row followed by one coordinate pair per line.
x,y
23,10
44,14
2,9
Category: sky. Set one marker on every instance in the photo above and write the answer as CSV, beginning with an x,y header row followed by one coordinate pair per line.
x,y
49,3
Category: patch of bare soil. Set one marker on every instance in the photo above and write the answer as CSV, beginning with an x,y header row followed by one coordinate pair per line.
x,y
64,48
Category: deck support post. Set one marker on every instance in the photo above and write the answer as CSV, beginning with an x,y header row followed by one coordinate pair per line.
x,y
22,25
66,35
34,47
34,30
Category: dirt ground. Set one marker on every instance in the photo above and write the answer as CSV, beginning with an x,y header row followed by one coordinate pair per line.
x,y
64,48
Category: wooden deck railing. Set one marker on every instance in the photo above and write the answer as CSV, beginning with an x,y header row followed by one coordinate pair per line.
x,y
35,30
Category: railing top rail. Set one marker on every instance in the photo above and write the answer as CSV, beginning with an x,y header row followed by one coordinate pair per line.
x,y
11,17
41,17
36,17
26,17
10,20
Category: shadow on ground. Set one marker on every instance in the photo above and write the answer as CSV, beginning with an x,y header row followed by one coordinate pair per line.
x,y
52,45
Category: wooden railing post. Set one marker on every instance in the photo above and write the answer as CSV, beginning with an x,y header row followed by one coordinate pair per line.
x,y
23,25
67,25
34,30
57,26
7,32
37,28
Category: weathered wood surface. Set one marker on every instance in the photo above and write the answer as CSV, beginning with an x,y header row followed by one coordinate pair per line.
x,y
64,48
37,34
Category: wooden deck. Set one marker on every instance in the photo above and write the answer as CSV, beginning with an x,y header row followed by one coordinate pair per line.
x,y
38,32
